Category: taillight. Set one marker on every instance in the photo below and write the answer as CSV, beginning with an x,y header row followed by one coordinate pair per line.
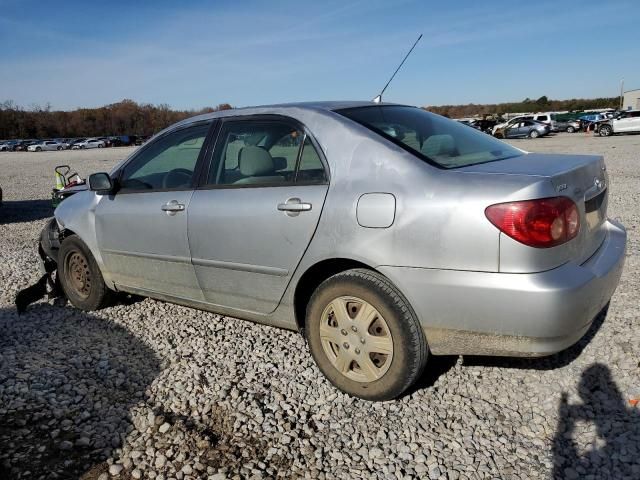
x,y
541,223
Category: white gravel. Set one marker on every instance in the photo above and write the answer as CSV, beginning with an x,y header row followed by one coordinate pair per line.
x,y
153,390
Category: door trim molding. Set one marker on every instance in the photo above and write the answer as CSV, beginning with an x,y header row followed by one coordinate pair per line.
x,y
243,267
152,256
201,262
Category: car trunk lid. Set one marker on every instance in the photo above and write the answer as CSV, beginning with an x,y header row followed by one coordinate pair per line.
x,y
583,178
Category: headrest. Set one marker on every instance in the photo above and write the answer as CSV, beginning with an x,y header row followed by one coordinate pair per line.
x,y
255,161
438,146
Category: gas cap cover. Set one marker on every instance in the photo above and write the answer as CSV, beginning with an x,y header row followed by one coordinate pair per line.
x,y
376,210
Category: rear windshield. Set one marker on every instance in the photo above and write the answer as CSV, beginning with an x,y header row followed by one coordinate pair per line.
x,y
438,140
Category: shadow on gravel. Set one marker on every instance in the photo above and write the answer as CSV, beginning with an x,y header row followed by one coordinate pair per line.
x,y
68,380
437,366
24,211
551,362
616,452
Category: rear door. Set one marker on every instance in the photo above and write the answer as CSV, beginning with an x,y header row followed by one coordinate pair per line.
x,y
142,229
624,123
256,211
635,122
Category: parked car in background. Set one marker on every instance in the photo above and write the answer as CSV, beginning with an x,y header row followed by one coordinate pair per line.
x,y
523,129
141,139
23,145
105,140
546,118
278,219
88,143
568,126
627,121
45,145
74,141
5,146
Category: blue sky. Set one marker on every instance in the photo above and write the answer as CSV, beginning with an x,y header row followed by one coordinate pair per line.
x,y
191,54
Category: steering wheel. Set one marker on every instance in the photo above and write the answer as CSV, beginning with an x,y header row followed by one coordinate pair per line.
x,y
178,177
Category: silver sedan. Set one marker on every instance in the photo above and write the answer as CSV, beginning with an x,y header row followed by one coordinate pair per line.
x,y
47,145
383,233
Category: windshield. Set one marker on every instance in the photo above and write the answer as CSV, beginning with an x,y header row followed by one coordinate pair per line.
x,y
438,140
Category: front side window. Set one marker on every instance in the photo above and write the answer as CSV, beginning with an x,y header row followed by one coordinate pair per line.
x,y
252,152
168,163
438,140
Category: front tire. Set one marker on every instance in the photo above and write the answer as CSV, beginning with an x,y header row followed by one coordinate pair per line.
x,y
38,149
605,131
59,148
80,276
570,129
364,336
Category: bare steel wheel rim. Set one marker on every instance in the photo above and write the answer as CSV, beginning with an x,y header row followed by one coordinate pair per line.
x,y
356,339
78,274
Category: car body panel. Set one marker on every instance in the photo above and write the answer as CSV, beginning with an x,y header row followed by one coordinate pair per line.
x,y
440,250
143,246
237,267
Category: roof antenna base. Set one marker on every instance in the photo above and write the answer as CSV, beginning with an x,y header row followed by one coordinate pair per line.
x,y
378,99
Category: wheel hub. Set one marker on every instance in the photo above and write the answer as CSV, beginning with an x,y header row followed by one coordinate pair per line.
x,y
78,274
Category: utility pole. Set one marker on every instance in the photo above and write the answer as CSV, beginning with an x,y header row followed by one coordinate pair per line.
x,y
621,93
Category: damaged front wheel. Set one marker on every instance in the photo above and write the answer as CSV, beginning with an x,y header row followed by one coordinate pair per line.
x,y
80,276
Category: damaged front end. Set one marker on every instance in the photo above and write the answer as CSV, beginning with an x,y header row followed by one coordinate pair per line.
x,y
49,244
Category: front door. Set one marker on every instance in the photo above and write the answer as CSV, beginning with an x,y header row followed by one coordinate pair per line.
x,y
256,213
142,229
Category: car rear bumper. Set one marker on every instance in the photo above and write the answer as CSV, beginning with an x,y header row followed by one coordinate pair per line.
x,y
535,314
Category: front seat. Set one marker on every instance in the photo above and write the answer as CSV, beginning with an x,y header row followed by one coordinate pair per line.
x,y
256,166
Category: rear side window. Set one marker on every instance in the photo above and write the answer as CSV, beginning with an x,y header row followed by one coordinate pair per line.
x,y
263,153
435,139
542,118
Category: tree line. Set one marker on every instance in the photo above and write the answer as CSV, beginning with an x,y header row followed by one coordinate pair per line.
x,y
123,118
542,104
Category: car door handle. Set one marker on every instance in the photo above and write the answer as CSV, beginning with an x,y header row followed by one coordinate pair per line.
x,y
172,207
294,206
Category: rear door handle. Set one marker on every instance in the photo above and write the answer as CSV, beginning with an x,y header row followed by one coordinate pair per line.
x,y
294,206
172,207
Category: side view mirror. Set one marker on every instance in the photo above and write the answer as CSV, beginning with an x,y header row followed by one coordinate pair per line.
x,y
100,183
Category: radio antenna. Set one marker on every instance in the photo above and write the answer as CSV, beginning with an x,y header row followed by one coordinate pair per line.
x,y
378,99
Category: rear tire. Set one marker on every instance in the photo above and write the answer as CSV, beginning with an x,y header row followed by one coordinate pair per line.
x,y
534,134
80,276
364,336
59,148
605,131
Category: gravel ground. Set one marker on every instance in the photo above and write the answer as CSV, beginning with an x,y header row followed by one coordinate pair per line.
x,y
148,389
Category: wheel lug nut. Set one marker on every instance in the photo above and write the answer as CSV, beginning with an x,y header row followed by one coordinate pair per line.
x,y
343,331
362,340
354,328
345,345
357,351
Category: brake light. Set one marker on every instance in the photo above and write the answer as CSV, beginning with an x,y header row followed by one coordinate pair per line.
x,y
541,223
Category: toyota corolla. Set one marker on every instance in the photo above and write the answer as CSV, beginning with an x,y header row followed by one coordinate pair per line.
x,y
381,232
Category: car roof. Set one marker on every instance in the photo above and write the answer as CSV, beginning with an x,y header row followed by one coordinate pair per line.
x,y
281,108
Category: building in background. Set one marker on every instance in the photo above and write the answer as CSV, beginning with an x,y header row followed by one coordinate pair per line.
x,y
631,100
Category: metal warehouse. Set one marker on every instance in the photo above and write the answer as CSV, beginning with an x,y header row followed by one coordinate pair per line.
x,y
631,100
